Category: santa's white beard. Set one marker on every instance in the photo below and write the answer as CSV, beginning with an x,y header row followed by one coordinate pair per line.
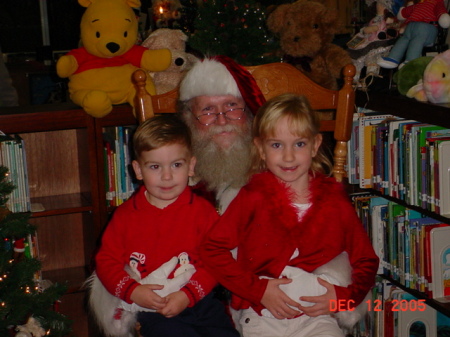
x,y
218,167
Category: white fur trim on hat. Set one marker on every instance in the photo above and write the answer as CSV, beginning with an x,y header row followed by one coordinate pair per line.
x,y
208,78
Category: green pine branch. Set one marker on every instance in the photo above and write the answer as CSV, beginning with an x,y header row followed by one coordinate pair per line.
x,y
20,296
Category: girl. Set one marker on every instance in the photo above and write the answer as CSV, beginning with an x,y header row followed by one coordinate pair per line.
x,y
290,215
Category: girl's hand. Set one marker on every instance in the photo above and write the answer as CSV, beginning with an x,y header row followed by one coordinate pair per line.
x,y
144,296
176,303
277,302
322,302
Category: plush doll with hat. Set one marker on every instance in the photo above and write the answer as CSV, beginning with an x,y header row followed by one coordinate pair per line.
x,y
175,41
100,72
306,29
422,20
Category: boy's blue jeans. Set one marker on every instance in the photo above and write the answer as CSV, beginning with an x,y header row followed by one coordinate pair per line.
x,y
417,35
206,319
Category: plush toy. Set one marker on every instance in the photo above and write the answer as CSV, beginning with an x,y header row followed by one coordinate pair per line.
x,y
338,271
31,328
175,41
375,39
117,318
306,29
100,72
434,87
421,30
409,75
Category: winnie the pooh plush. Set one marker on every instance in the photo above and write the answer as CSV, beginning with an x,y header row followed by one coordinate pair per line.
x,y
100,72
175,41
306,29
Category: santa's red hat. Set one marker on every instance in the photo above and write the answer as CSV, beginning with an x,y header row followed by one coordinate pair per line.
x,y
219,76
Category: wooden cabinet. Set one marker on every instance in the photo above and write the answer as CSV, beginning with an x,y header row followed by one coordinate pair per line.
x,y
407,108
66,180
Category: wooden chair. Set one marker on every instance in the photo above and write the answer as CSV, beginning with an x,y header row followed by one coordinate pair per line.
x,y
275,79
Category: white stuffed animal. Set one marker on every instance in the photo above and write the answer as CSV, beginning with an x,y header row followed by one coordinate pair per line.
x,y
115,317
338,271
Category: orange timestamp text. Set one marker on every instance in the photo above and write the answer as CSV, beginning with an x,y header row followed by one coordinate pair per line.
x,y
376,305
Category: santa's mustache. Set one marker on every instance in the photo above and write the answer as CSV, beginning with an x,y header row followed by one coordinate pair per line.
x,y
217,129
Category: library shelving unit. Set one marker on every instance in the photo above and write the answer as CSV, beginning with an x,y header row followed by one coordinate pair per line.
x,y
63,148
436,114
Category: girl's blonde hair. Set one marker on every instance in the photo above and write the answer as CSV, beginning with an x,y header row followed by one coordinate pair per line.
x,y
303,122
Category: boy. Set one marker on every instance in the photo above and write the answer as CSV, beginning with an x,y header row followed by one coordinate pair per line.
x,y
161,220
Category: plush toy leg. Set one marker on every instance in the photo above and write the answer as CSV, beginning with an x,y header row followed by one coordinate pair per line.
x,y
96,103
387,62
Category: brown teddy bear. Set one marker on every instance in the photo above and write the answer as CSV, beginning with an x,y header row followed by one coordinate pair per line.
x,y
175,41
306,29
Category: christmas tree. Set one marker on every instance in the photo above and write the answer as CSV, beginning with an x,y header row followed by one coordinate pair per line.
x,y
24,305
236,29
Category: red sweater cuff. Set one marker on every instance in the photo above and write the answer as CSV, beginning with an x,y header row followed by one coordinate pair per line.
x,y
192,300
127,293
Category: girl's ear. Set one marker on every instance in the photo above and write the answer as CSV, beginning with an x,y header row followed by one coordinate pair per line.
x,y
192,163
317,143
137,169
259,145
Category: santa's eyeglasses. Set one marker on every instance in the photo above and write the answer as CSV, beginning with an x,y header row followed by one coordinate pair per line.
x,y
211,117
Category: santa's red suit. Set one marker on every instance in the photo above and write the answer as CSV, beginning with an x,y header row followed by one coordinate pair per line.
x,y
262,222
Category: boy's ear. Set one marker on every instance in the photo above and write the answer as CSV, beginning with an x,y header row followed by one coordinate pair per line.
x,y
137,169
192,163
258,144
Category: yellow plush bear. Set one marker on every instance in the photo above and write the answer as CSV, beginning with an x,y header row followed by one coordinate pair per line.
x,y
100,72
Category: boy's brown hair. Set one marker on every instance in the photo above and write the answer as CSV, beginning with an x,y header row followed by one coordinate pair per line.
x,y
159,131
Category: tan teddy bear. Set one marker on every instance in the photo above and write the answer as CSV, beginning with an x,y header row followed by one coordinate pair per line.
x,y
175,41
306,29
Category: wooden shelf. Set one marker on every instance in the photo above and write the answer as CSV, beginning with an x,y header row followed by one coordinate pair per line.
x,y
416,208
439,306
395,104
32,119
63,204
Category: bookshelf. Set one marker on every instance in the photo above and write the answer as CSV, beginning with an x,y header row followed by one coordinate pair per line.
x,y
436,114
65,170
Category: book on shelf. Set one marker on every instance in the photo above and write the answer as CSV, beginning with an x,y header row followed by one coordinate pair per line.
x,y
13,156
404,315
440,263
117,160
402,239
443,199
404,159
366,125
353,152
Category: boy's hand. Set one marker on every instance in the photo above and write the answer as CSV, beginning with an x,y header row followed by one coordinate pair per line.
x,y
322,302
144,296
277,302
176,303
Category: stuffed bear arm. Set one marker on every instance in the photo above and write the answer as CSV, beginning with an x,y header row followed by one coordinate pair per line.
x,y
336,58
66,66
156,60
